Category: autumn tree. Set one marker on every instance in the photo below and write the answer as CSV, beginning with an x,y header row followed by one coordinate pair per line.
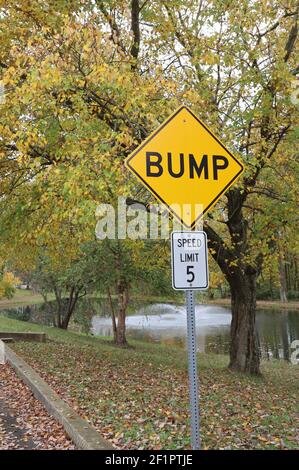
x,y
127,267
8,284
236,62
69,281
62,144
86,82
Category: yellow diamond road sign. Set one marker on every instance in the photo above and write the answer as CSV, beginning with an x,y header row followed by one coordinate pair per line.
x,y
185,166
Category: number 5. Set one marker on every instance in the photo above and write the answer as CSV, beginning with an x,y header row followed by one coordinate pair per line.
x,y
190,273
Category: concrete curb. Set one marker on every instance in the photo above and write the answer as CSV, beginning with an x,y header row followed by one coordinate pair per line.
x,y
2,352
80,431
24,336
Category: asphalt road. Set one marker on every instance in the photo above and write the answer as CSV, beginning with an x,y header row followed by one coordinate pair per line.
x,y
12,434
24,422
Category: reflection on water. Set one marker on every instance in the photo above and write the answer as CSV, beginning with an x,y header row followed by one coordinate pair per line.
x,y
166,323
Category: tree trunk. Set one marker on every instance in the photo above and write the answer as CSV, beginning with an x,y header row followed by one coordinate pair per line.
x,y
271,285
282,278
123,299
64,311
244,348
72,302
67,315
58,311
114,328
121,329
295,274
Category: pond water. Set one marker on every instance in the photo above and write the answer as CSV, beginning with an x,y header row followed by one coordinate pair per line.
x,y
166,323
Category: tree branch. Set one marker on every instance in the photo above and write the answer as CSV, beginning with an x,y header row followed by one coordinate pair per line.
x,y
116,36
135,26
291,39
221,254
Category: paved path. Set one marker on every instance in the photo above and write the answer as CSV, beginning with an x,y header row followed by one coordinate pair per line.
x,y
24,422
12,436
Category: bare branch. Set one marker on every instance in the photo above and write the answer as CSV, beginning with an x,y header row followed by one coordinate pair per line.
x,y
116,35
221,254
276,24
135,26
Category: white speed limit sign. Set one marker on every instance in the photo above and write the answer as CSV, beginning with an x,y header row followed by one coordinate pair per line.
x,y
189,260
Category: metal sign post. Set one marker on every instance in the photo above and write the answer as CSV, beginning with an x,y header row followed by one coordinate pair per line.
x,y
190,272
192,366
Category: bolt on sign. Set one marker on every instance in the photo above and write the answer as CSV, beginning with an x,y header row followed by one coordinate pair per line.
x,y
185,165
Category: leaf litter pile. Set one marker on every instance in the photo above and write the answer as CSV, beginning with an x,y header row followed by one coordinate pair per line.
x,y
138,398
24,422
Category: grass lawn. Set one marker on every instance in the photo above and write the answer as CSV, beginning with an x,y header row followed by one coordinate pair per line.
x,y
138,397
